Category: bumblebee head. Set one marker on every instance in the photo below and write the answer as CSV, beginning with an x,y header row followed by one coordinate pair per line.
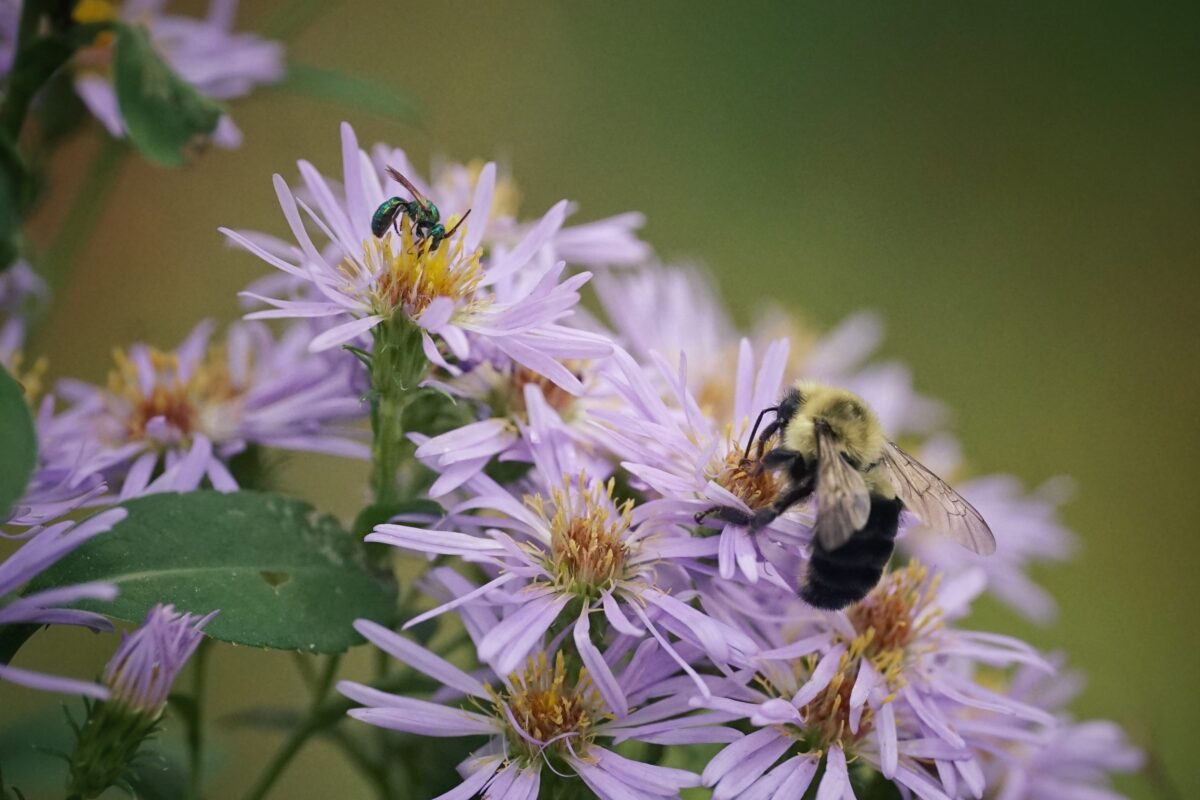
x,y
844,414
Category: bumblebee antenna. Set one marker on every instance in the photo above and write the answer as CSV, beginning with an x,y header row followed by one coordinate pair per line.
x,y
754,431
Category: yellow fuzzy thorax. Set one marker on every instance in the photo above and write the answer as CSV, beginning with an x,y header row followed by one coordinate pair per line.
x,y
857,428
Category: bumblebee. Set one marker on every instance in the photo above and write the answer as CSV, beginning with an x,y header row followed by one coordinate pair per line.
x,y
831,447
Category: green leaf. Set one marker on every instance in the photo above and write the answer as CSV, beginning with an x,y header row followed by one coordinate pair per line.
x,y
282,575
364,94
164,115
18,444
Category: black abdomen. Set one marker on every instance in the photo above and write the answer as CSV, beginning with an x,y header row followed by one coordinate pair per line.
x,y
837,578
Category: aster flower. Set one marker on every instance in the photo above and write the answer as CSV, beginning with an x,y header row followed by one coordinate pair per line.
x,y
606,242
1074,759
188,411
496,390
1028,524
564,548
205,53
885,681
543,722
690,461
48,607
22,293
509,300
675,313
139,677
142,671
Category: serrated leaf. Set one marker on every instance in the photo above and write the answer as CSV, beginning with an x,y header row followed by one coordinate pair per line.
x,y
282,575
18,443
164,115
361,93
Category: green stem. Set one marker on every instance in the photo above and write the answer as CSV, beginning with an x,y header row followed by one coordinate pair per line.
x,y
398,365
23,85
195,728
316,719
85,212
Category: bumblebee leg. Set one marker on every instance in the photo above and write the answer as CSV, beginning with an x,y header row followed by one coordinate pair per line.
x,y
765,516
767,432
729,514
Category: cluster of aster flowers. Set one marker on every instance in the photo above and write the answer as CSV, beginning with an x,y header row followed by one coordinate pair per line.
x,y
620,648
599,610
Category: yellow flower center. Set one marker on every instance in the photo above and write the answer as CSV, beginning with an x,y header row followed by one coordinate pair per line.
x,y
587,528
414,274
889,623
549,710
507,395
31,379
179,401
741,476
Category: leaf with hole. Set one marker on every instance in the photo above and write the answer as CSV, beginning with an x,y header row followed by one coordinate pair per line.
x,y
282,575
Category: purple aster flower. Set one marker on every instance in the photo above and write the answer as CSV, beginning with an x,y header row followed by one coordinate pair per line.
x,y
506,396
1028,525
689,460
22,293
45,547
190,410
513,299
142,671
1072,759
542,718
59,483
563,548
205,53
602,243
888,681
676,312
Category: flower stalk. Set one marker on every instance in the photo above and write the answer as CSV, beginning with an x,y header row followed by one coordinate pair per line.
x,y
398,365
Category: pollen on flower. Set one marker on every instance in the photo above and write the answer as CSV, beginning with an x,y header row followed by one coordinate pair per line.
x,y
180,400
888,624
545,714
741,476
587,529
409,275
507,395
894,616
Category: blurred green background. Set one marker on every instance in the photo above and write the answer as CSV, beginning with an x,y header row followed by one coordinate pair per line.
x,y
1014,186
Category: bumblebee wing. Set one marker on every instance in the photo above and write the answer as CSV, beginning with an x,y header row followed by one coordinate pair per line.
x,y
407,184
939,507
843,502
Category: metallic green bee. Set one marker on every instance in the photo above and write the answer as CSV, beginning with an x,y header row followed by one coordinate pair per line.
x,y
426,219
